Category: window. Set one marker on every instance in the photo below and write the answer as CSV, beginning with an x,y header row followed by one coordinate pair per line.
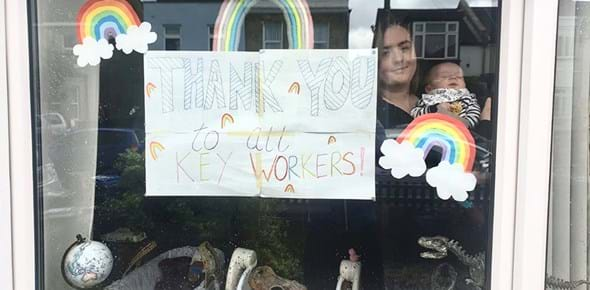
x,y
272,32
436,40
172,37
211,30
321,35
119,178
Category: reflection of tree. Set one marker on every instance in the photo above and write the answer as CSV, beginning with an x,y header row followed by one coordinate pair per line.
x,y
258,224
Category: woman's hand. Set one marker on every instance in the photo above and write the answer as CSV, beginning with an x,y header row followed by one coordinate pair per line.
x,y
486,112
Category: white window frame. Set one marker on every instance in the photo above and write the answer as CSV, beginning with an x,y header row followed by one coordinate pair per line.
x,y
5,193
21,148
447,33
526,77
265,41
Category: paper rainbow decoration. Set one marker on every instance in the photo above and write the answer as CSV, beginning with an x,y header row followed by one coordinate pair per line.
x,y
154,147
149,89
289,188
231,17
449,134
105,19
226,118
295,88
331,140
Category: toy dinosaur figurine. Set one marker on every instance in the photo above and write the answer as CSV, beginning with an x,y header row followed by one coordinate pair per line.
x,y
441,246
264,278
212,266
556,283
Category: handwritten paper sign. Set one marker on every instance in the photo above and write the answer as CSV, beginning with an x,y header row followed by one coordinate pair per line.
x,y
274,123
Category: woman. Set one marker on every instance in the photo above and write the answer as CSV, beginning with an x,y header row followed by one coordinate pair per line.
x,y
397,70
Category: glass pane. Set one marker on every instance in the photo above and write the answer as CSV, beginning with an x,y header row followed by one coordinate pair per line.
x,y
568,240
177,151
321,32
436,27
273,31
418,45
452,27
435,46
419,27
172,44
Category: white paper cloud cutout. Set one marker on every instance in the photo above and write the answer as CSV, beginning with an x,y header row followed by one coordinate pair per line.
x,y
451,181
90,52
403,159
136,38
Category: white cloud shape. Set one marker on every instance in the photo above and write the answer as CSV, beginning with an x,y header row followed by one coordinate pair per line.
x,y
136,38
451,181
91,51
403,159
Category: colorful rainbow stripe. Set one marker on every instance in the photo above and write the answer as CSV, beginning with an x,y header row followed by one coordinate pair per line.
x,y
231,17
105,19
445,132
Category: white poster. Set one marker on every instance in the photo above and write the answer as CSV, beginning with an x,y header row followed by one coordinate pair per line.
x,y
274,123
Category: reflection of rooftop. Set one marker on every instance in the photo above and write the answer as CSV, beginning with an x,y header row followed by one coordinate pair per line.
x,y
440,4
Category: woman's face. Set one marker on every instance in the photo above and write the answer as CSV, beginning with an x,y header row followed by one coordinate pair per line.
x,y
398,59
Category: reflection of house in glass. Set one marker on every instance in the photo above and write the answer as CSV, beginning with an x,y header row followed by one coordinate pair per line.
x,y
462,34
189,25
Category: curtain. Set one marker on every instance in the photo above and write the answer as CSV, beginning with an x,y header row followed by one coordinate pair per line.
x,y
567,256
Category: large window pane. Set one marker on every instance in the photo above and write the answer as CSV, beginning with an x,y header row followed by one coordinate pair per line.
x,y
97,86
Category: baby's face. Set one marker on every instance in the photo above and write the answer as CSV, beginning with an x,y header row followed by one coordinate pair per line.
x,y
447,75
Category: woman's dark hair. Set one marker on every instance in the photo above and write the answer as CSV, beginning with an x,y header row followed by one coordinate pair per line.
x,y
386,20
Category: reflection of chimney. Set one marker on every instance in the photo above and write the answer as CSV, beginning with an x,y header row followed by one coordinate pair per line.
x,y
386,4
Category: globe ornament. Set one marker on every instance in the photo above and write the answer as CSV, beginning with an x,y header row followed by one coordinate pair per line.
x,y
86,264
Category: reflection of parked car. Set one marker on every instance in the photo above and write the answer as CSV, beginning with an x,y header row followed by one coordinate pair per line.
x,y
54,123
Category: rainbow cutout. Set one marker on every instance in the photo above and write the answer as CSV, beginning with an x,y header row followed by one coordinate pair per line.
x,y
154,147
106,19
289,188
295,88
331,140
232,13
150,88
445,132
226,118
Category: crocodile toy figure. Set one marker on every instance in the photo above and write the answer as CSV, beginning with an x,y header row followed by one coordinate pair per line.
x,y
476,264
441,246
556,283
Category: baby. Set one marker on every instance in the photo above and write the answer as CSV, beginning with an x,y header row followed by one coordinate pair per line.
x,y
446,94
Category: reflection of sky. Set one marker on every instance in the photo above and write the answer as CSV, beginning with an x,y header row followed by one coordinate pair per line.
x,y
363,14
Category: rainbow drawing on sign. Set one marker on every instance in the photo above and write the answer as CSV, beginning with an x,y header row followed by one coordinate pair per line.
x,y
105,19
150,88
331,140
447,133
226,118
289,188
232,13
154,148
295,88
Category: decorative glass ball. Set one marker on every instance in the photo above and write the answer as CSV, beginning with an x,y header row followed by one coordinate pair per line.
x,y
87,263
